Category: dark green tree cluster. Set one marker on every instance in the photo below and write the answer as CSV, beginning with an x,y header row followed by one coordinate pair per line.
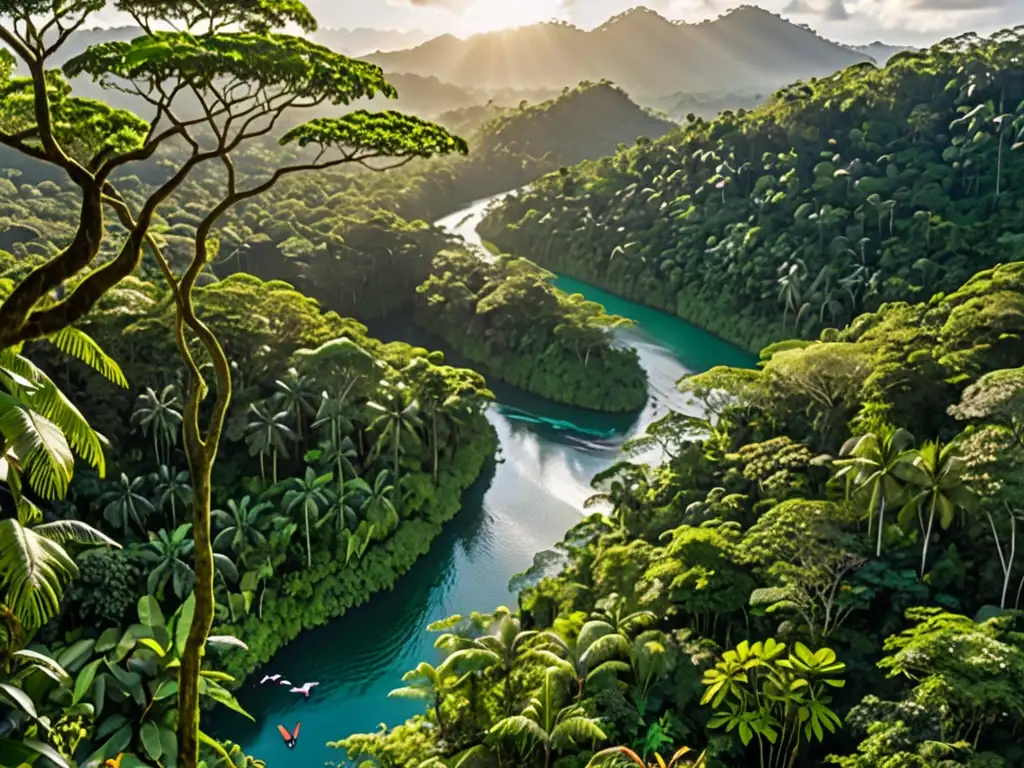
x,y
505,315
835,196
824,570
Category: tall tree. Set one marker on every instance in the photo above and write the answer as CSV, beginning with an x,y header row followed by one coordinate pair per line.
x,y
309,495
159,414
126,503
394,420
873,469
268,433
172,488
939,490
296,394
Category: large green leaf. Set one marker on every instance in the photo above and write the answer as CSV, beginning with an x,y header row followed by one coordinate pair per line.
x,y
150,736
85,679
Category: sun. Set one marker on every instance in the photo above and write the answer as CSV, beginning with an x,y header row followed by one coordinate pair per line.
x,y
490,15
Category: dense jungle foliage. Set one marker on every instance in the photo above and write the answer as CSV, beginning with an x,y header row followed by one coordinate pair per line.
x,y
837,195
823,571
505,316
358,242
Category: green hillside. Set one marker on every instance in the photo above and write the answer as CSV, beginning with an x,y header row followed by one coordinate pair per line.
x,y
869,186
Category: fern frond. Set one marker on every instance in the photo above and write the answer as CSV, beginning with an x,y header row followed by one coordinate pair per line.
x,y
81,346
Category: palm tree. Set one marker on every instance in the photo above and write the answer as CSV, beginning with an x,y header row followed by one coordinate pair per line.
x,y
791,279
874,468
433,684
543,722
309,494
588,656
613,609
504,641
296,394
268,434
171,488
242,523
167,554
339,455
622,486
392,421
35,568
126,503
377,507
937,473
161,415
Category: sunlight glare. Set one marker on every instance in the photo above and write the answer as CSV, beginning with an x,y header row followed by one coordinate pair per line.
x,y
490,15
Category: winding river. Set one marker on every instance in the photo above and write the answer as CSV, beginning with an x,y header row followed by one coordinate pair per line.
x,y
522,505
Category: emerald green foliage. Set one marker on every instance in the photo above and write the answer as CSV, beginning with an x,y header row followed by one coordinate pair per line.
x,y
837,195
332,585
811,555
506,316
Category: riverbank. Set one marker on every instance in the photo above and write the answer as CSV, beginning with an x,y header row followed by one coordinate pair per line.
x,y
726,323
330,588
512,324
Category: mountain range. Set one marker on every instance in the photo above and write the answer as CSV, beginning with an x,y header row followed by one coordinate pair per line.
x,y
638,50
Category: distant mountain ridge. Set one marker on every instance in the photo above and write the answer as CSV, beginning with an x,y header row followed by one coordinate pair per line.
x,y
639,50
881,52
362,41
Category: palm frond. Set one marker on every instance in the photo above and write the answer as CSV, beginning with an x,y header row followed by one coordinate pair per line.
x,y
81,346
39,445
54,405
34,571
519,727
74,531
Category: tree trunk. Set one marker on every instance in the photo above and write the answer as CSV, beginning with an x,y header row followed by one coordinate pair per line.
x,y
881,526
398,485
309,550
927,536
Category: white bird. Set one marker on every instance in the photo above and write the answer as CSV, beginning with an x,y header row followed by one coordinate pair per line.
x,y
285,682
270,678
305,690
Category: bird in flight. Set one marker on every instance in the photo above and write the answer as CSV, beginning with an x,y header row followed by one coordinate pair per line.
x,y
289,738
270,678
284,682
305,690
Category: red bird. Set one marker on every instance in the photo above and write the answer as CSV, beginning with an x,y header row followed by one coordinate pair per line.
x,y
289,738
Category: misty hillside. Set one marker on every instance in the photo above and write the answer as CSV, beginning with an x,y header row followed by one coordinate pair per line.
x,y
360,42
639,50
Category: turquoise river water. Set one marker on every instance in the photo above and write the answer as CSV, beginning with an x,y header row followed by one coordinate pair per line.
x,y
522,505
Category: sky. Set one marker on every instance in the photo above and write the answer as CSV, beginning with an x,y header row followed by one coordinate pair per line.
x,y
912,22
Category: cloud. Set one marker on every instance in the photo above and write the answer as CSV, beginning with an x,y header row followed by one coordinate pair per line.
x,y
835,10
831,10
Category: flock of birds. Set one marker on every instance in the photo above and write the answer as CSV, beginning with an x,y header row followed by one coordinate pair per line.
x,y
290,737
305,689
